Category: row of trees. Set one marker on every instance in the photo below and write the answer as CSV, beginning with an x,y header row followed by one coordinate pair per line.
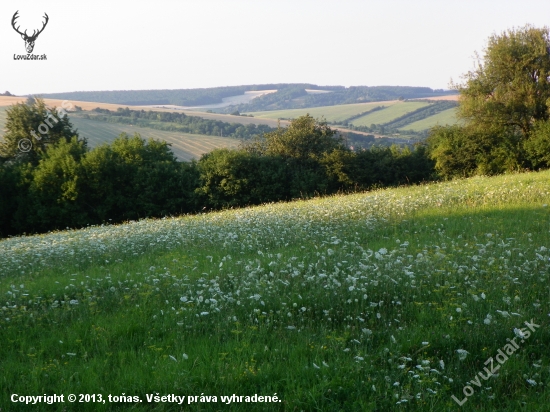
x,y
178,122
62,183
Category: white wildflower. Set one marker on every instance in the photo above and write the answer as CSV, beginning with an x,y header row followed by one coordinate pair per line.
x,y
462,354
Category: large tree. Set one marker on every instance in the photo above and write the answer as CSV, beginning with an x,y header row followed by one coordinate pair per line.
x,y
31,127
304,138
503,102
509,89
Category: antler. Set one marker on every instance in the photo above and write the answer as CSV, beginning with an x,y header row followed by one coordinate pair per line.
x,y
34,35
43,26
15,16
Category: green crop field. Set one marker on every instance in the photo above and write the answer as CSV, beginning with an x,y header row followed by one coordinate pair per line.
x,y
184,145
442,118
388,114
415,299
330,113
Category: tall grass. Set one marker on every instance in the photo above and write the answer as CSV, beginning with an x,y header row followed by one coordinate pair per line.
x,y
360,302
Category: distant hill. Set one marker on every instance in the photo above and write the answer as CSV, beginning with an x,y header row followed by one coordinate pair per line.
x,y
287,96
176,97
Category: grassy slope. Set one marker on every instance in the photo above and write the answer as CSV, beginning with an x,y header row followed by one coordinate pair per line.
x,y
442,118
330,113
389,114
185,146
393,110
346,303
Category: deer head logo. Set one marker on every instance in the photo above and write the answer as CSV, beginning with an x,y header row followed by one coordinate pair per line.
x,y
29,40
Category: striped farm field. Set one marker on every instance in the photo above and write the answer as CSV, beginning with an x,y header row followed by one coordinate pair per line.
x,y
390,113
442,118
330,113
184,145
6,101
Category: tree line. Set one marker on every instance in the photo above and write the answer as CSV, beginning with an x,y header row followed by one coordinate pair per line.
x,y
62,183
179,122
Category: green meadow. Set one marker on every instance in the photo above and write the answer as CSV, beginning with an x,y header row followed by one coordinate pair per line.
x,y
391,300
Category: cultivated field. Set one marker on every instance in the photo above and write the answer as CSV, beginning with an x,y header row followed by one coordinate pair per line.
x,y
184,145
388,114
393,110
330,113
453,97
442,118
8,101
391,300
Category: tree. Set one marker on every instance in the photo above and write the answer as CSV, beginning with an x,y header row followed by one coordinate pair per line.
x,y
509,90
538,146
55,188
133,178
304,138
501,101
31,127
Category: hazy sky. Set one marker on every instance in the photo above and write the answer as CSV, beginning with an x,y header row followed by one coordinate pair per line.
x,y
163,44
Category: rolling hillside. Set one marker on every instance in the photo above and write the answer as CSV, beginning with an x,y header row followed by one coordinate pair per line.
x,y
266,96
393,300
391,111
188,146
330,113
8,101
185,146
443,118
388,114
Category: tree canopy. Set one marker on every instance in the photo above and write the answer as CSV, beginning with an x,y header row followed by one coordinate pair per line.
x,y
509,89
37,125
503,102
304,138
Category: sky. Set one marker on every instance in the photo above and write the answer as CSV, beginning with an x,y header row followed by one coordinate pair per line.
x,y
181,44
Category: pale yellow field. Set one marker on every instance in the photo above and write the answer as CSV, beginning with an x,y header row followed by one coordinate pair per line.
x,y
453,97
9,100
